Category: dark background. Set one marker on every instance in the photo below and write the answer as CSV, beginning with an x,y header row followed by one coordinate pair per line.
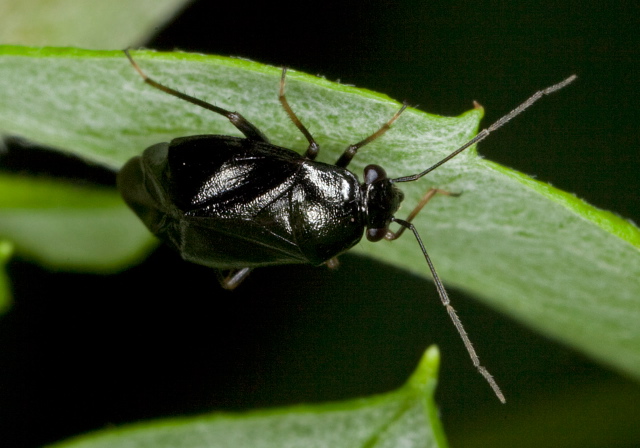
x,y
80,352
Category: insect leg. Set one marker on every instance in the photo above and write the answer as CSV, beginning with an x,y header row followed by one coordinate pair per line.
x,y
242,124
444,297
332,263
351,151
233,279
313,149
431,192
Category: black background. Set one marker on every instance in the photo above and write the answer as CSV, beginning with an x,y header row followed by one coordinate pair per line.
x,y
81,352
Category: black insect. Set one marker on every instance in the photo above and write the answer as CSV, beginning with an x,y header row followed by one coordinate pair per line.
x,y
236,203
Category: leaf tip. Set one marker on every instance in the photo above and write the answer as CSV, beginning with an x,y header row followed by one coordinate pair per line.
x,y
425,376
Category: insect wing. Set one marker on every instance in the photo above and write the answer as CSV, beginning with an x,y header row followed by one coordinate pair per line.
x,y
233,201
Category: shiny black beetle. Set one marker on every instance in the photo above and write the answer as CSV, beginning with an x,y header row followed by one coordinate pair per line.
x,y
237,203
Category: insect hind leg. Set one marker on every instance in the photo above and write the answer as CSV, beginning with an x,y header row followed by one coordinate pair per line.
x,y
242,124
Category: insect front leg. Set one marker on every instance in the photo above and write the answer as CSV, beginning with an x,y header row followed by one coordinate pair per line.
x,y
431,192
351,151
233,279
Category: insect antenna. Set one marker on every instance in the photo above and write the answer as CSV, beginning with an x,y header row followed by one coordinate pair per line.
x,y
444,297
485,132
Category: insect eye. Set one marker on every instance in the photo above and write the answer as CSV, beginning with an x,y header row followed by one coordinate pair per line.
x,y
374,235
373,173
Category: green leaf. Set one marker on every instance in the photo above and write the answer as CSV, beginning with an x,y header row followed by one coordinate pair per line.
x,y
112,24
406,417
536,253
64,226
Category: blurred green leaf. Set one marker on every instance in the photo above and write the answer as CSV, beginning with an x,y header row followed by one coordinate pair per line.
x,y
538,254
64,226
86,24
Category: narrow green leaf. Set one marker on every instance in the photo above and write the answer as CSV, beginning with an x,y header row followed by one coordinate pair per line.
x,y
89,24
539,254
406,417
64,226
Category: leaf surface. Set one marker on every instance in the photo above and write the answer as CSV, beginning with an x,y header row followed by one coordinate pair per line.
x,y
538,254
